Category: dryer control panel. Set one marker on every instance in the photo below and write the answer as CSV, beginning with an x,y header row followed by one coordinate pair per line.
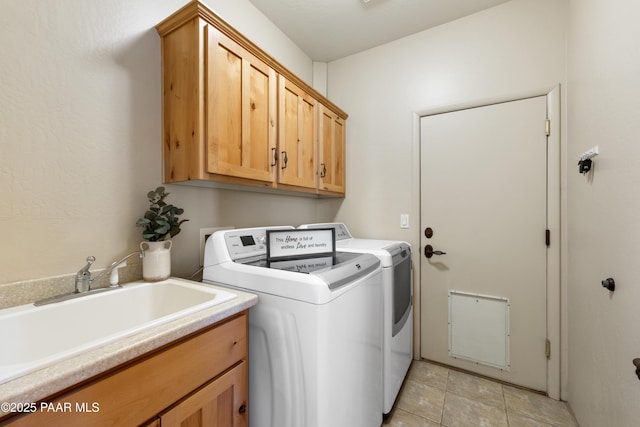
x,y
342,232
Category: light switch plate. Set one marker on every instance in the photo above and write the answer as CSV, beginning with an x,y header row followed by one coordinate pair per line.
x,y
589,154
404,221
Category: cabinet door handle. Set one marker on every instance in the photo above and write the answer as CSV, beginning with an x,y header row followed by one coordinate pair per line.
x,y
242,409
284,159
275,156
323,173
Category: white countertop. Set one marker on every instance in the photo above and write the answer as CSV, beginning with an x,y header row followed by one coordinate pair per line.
x,y
38,385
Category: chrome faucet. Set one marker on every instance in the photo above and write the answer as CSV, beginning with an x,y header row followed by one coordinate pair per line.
x,y
84,281
83,276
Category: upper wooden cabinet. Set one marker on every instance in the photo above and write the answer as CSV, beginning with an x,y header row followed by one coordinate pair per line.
x,y
234,115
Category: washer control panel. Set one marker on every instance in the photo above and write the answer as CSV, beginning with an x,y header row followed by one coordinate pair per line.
x,y
248,242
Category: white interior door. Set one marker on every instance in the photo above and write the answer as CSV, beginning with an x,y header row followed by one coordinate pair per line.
x,y
484,196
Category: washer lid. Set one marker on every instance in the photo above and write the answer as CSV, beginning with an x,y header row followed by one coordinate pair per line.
x,y
349,271
335,271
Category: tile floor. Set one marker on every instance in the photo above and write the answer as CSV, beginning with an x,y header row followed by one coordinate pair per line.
x,y
434,396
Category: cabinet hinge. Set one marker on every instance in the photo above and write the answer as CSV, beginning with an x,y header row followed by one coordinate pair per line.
x,y
547,238
547,127
547,349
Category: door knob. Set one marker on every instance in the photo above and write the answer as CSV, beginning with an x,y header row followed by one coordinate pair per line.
x,y
429,252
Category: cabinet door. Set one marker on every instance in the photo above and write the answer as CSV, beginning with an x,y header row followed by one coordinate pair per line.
x,y
220,403
332,151
297,136
241,105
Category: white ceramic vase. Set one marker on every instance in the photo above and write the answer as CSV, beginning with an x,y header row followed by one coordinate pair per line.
x,y
156,260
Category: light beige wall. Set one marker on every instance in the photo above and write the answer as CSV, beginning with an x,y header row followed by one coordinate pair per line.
x,y
604,212
80,134
505,51
513,49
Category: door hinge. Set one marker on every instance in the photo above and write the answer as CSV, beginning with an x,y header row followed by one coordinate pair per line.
x,y
547,237
547,127
547,349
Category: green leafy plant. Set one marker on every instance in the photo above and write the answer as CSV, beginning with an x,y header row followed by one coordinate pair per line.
x,y
161,220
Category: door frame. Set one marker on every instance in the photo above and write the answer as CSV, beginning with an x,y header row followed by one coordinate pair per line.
x,y
556,253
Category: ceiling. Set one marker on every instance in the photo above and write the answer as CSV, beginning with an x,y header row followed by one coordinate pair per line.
x,y
331,29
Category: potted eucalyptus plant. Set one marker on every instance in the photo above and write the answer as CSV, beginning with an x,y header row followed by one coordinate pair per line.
x,y
159,224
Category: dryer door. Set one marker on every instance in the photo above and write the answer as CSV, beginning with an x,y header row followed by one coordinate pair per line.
x,y
402,290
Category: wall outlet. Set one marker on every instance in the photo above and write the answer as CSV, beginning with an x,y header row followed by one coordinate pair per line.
x,y
205,233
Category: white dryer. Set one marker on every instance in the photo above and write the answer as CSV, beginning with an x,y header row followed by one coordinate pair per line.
x,y
315,336
395,257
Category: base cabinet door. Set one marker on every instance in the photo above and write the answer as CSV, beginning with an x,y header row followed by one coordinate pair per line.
x,y
220,403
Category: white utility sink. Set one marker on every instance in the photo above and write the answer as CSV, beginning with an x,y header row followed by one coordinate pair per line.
x,y
35,337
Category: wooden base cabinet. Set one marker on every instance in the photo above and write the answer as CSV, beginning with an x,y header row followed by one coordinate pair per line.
x,y
199,381
220,403
233,115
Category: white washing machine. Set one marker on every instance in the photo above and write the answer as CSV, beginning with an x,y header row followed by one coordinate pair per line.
x,y
395,257
315,340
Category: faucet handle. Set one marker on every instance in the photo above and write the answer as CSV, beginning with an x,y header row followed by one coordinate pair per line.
x,y
85,270
83,276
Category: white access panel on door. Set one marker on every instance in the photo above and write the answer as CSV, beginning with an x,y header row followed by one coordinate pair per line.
x,y
479,329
